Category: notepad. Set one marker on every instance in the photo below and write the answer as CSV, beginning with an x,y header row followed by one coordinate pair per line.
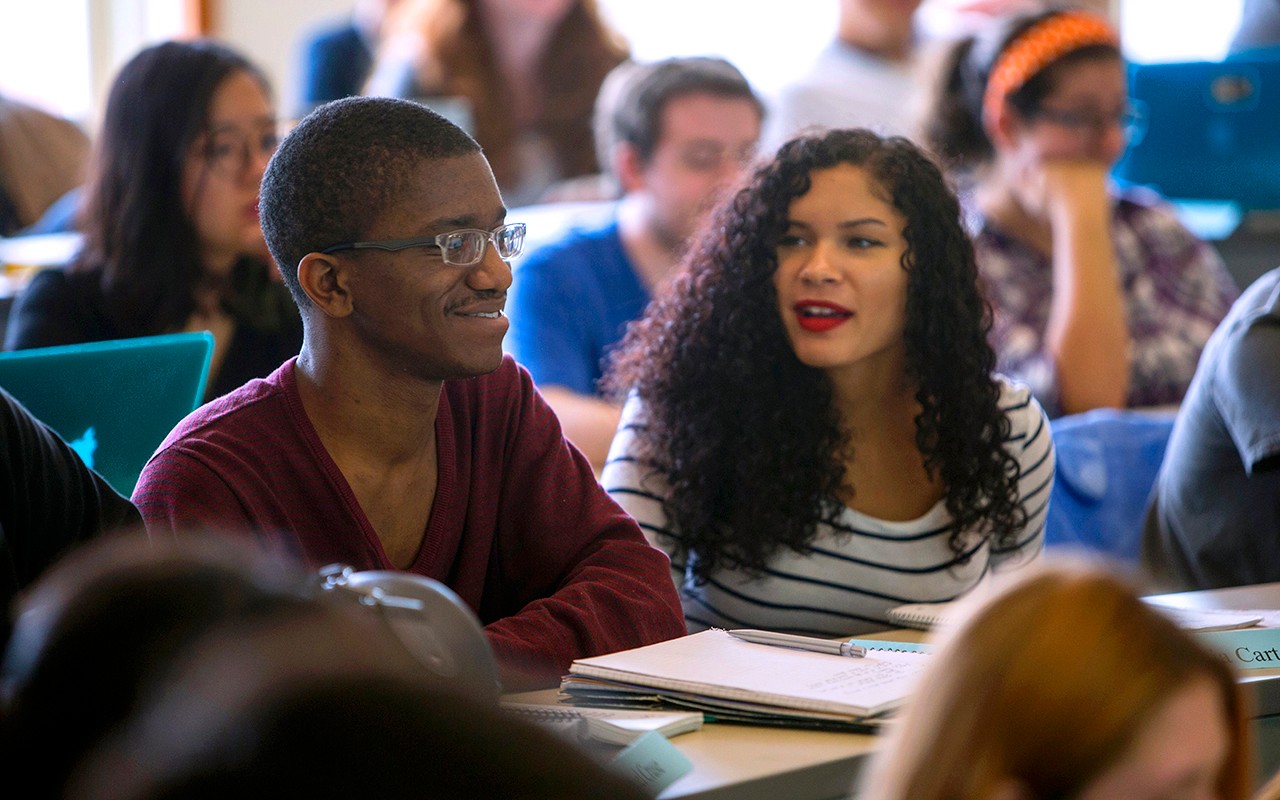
x,y
926,616
719,671
609,725
1207,621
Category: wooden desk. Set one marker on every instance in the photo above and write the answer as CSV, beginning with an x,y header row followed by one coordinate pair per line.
x,y
744,763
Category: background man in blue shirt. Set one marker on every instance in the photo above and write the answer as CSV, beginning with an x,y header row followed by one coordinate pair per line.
x,y
682,131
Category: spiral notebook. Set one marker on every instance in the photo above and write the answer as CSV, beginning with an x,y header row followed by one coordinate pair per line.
x,y
776,684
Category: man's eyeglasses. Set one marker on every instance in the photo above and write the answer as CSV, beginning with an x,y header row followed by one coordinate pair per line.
x,y
460,248
1130,120
230,151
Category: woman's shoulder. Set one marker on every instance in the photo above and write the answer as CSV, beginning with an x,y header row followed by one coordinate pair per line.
x,y
65,288
1145,210
59,306
55,282
1026,416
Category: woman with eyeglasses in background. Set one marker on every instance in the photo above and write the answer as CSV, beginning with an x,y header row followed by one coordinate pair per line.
x,y
1102,298
170,220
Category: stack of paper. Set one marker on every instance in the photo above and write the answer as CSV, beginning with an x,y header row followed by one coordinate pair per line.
x,y
742,681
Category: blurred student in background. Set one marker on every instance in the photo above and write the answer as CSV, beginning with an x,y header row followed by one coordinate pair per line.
x,y
866,78
1102,299
42,158
1259,27
680,133
336,59
170,220
1068,685
814,433
527,72
315,706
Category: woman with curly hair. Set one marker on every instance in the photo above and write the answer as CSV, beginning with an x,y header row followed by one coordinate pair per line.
x,y
814,433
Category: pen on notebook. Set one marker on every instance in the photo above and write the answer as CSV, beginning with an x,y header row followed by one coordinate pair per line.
x,y
829,646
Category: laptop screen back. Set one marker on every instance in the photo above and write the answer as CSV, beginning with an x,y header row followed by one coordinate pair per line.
x,y
1211,131
113,402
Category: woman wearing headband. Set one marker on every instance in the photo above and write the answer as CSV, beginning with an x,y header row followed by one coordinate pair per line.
x,y
1101,298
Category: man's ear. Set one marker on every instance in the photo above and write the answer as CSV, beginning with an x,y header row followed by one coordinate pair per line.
x,y
325,279
629,167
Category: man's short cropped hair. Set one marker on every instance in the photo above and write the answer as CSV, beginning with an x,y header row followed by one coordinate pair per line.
x,y
640,93
341,167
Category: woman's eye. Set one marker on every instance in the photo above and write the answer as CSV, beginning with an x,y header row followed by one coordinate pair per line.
x,y
790,240
860,243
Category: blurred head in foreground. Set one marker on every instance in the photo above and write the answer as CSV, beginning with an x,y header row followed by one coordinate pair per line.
x,y
322,707
1067,685
106,622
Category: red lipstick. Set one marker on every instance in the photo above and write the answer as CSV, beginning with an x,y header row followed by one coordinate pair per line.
x,y
820,316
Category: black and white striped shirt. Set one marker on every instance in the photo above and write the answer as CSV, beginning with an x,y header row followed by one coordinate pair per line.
x,y
858,568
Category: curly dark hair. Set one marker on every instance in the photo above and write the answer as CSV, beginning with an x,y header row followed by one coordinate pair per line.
x,y
747,436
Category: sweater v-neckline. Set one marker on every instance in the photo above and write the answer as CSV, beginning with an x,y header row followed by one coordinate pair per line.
x,y
443,507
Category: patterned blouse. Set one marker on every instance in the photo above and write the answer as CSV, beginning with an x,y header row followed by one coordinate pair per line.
x,y
1176,291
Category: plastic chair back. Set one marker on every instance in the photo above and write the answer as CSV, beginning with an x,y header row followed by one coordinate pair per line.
x,y
1107,462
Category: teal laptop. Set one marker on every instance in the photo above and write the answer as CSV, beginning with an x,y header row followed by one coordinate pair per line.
x,y
1210,130
113,402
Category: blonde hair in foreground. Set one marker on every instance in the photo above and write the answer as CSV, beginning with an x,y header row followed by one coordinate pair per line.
x,y
1046,686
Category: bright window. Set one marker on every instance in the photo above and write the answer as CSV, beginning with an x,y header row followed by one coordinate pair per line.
x,y
1178,30
45,57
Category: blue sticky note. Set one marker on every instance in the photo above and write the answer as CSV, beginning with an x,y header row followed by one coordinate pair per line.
x,y
652,762
884,644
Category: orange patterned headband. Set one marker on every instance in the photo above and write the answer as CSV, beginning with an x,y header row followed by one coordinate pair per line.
x,y
1038,47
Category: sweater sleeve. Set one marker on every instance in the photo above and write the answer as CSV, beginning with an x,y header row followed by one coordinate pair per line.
x,y
49,500
1246,374
586,580
177,491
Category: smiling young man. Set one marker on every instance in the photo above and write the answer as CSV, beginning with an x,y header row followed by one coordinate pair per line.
x,y
400,437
